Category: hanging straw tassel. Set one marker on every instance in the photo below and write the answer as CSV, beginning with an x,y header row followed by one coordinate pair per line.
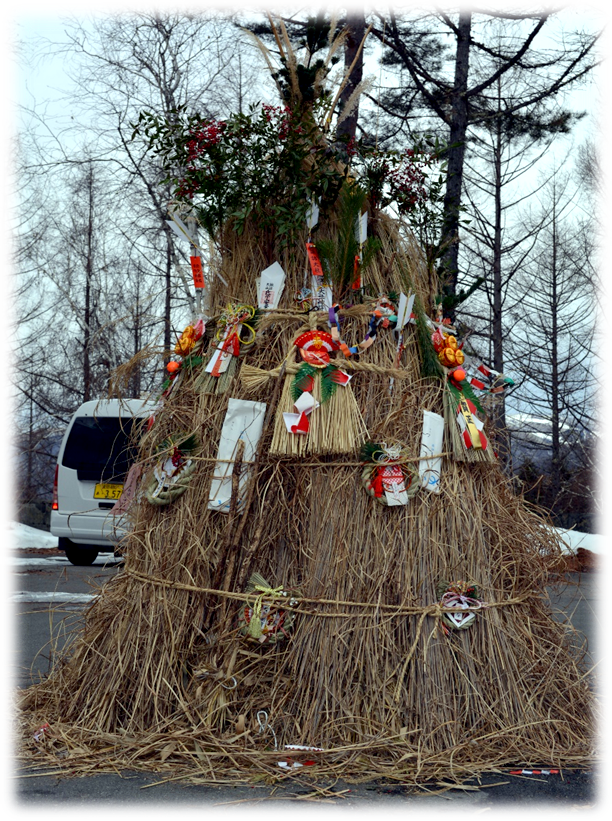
x,y
254,379
336,426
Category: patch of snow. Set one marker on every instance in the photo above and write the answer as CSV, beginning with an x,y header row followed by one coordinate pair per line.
x,y
573,539
45,561
24,537
36,561
27,597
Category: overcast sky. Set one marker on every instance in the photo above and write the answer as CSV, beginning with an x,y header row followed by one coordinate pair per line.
x,y
38,80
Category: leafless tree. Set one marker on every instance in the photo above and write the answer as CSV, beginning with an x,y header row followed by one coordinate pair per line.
x,y
457,85
554,340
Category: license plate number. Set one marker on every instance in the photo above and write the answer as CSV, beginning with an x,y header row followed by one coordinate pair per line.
x,y
104,490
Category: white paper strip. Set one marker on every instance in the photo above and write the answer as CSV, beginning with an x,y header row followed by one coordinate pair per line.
x,y
243,420
431,443
479,425
361,228
312,217
400,497
180,229
404,310
306,403
270,286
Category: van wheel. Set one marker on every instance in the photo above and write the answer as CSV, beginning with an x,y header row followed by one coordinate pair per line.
x,y
80,555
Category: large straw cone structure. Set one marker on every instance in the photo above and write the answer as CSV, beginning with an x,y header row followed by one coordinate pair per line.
x,y
160,676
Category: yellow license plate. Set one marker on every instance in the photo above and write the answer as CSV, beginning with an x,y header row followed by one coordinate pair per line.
x,y
104,490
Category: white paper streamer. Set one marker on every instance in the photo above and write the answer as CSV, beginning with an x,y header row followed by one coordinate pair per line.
x,y
180,229
243,420
361,229
431,443
404,309
312,217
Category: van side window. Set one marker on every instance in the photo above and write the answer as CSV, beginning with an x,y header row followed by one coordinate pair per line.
x,y
99,448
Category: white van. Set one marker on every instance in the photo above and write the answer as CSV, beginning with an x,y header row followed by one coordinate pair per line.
x,y
92,463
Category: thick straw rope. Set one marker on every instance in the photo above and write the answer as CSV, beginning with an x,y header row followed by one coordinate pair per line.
x,y
398,609
250,371
332,464
435,610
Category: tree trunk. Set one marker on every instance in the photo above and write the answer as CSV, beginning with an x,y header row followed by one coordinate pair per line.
x,y
168,295
458,126
87,380
137,337
499,409
355,23
555,468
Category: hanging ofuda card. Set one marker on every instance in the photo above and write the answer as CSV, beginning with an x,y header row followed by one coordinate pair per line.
x,y
243,420
270,286
431,444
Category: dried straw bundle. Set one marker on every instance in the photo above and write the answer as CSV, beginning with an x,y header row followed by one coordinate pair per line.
x,y
160,677
336,426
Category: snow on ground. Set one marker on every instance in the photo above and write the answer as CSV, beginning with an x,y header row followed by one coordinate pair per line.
x,y
24,537
23,564
573,539
27,597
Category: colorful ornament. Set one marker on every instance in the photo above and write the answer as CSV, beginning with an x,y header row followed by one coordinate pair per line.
x,y
261,622
188,339
230,337
315,347
389,480
336,426
172,474
448,350
235,334
496,383
172,366
384,315
458,594
303,299
466,428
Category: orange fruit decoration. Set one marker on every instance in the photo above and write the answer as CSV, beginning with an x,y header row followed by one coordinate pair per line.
x,y
172,366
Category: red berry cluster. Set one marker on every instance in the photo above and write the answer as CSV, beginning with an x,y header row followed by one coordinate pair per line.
x,y
281,115
205,136
408,180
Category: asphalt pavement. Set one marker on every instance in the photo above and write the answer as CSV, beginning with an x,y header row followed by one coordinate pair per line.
x,y
49,596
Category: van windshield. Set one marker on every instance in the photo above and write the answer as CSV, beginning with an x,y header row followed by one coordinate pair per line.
x,y
99,448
